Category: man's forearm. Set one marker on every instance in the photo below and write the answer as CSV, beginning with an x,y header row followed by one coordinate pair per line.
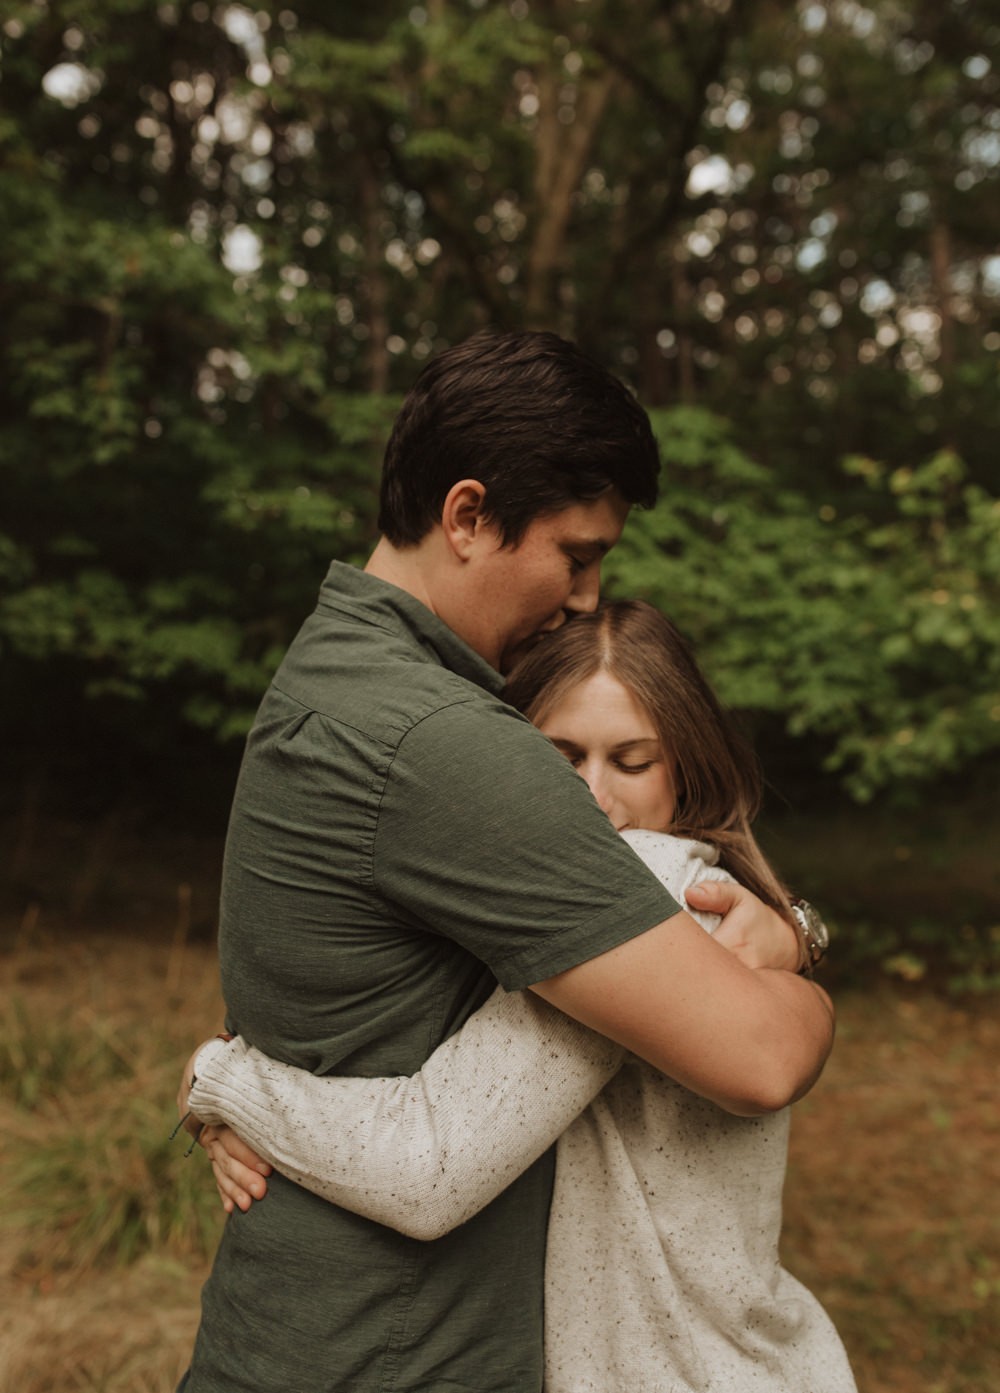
x,y
750,1040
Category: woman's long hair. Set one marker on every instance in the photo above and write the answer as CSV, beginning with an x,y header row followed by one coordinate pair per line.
x,y
717,775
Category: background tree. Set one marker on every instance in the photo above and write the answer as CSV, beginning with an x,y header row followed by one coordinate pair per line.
x,y
233,235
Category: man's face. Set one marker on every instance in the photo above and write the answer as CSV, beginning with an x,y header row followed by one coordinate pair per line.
x,y
529,590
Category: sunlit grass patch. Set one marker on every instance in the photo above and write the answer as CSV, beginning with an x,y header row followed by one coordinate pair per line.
x,y
100,1182
121,1330
44,1056
88,1077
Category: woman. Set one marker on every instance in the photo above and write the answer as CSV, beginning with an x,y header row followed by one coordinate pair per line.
x,y
662,1268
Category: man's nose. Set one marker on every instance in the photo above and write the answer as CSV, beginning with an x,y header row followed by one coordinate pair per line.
x,y
586,591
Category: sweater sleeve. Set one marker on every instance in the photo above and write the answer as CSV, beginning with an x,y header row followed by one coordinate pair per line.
x,y
420,1154
425,1153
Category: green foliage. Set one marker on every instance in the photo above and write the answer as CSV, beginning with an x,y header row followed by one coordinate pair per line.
x,y
875,630
203,590
176,500
189,438
963,961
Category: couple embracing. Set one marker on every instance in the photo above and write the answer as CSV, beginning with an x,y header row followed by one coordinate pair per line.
x,y
527,1119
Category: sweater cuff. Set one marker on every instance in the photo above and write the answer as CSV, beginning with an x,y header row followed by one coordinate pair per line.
x,y
209,1073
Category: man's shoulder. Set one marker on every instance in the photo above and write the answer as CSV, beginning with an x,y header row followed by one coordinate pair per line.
x,y
381,667
384,698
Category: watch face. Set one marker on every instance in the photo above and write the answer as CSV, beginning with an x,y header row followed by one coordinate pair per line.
x,y
816,937
815,927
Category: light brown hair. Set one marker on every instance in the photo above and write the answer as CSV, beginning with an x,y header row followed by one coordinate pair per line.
x,y
717,775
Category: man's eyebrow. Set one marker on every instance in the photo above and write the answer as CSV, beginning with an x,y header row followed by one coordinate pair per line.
x,y
589,546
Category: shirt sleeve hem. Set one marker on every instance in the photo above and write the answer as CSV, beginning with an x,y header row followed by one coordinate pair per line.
x,y
574,946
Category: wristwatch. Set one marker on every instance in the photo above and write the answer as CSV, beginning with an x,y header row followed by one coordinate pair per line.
x,y
814,937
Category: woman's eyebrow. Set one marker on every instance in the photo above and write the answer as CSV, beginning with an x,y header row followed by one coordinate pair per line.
x,y
562,743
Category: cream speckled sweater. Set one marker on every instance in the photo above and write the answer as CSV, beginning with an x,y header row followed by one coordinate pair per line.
x,y
662,1271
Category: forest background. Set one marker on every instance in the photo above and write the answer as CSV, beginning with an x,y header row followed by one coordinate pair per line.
x,y
231,237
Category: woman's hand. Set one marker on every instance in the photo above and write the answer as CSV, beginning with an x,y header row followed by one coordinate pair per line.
x,y
240,1174
752,930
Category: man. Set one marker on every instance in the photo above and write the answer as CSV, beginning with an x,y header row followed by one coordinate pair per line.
x,y
400,839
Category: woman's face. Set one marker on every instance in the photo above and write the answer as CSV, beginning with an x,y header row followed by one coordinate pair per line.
x,y
611,741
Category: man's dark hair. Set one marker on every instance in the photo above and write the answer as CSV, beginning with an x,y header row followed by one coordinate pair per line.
x,y
531,418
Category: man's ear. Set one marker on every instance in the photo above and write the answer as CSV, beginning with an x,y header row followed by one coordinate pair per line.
x,y
462,519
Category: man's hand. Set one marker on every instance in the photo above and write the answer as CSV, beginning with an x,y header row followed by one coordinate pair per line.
x,y
240,1174
750,929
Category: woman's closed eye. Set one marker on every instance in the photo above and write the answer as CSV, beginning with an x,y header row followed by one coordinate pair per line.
x,y
624,766
613,743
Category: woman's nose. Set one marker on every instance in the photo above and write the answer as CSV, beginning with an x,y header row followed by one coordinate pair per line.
x,y
600,787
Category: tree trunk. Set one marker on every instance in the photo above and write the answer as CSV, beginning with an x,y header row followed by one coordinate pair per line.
x,y
682,317
941,284
561,154
376,289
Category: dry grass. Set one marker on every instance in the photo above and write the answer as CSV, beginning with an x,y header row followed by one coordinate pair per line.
x,y
118,1330
891,1212
891,1209
105,1230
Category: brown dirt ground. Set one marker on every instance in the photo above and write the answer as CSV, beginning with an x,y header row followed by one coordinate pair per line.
x,y
891,1212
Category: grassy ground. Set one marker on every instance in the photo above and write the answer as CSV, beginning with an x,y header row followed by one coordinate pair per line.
x,y
106,1231
891,1213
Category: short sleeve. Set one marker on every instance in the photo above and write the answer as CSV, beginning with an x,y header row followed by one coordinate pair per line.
x,y
488,836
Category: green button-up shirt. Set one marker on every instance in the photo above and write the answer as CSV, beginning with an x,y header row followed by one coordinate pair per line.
x,y
400,839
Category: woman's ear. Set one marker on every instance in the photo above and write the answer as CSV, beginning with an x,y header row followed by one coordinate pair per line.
x,y
462,518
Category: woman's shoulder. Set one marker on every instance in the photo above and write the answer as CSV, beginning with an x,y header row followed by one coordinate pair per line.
x,y
678,863
663,847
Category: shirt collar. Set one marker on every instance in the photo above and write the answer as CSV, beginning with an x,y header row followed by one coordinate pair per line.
x,y
378,602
